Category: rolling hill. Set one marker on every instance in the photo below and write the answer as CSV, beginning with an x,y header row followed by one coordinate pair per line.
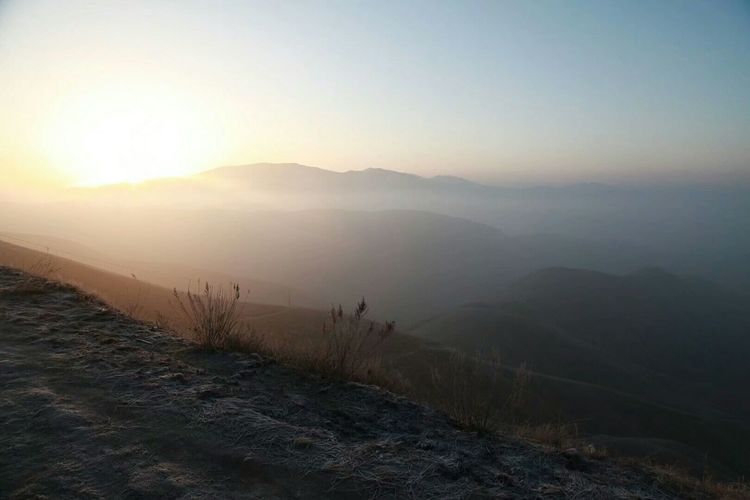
x,y
409,264
681,326
647,354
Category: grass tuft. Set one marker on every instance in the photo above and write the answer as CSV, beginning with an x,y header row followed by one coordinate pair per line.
x,y
476,393
212,315
350,348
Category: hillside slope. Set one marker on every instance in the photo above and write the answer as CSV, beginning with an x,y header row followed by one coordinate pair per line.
x,y
676,325
150,302
644,356
96,405
164,274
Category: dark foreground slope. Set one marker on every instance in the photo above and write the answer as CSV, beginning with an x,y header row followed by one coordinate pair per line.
x,y
95,405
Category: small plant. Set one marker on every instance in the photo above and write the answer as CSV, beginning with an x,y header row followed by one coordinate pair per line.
x,y
351,343
475,393
349,349
212,316
134,307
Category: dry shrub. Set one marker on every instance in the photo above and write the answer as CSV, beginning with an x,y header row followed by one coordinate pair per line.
x,y
350,349
212,315
475,392
352,342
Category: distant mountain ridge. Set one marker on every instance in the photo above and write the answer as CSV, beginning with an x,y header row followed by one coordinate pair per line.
x,y
296,176
290,174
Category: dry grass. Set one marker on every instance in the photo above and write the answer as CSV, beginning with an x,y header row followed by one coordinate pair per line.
x,y
212,315
249,341
39,272
687,484
350,348
313,360
134,307
557,435
482,395
476,393
351,345
163,322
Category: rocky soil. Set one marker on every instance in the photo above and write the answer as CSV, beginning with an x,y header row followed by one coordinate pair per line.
x,y
96,405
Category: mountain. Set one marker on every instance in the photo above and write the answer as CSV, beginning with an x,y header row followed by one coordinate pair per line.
x,y
688,229
292,176
648,354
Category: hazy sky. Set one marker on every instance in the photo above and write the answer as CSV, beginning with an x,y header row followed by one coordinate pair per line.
x,y
548,91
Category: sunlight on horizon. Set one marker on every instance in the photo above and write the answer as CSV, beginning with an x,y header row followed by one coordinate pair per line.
x,y
518,93
120,135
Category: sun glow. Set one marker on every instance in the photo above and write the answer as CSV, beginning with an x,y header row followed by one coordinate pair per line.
x,y
128,135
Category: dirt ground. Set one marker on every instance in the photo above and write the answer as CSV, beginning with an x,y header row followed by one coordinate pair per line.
x,y
96,405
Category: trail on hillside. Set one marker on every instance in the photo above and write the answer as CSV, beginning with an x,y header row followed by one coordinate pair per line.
x,y
96,405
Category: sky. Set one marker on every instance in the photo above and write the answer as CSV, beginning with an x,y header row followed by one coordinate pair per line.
x,y
521,92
